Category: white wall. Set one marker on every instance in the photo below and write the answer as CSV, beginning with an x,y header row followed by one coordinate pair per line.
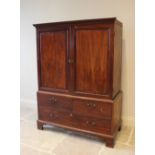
x,y
39,11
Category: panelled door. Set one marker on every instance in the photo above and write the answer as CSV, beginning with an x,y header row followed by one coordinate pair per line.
x,y
92,59
52,56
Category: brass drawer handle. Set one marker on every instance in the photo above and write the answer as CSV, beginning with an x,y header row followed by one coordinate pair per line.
x,y
93,123
88,104
52,100
90,123
94,105
53,115
71,115
87,122
91,105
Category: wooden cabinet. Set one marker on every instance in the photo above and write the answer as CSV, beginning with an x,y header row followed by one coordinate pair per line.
x,y
79,76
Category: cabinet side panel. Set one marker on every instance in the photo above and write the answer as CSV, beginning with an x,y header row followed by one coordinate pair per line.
x,y
117,111
117,59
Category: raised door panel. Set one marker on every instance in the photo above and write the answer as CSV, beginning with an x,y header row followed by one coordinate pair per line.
x,y
92,67
53,59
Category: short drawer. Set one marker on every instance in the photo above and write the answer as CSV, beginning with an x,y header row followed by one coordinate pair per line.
x,y
55,116
93,108
92,124
57,102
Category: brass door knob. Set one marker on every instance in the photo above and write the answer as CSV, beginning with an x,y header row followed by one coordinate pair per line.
x,y
70,61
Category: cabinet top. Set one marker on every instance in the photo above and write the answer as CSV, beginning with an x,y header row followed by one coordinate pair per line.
x,y
97,20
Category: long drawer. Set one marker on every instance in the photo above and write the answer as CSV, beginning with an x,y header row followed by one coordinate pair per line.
x,y
71,119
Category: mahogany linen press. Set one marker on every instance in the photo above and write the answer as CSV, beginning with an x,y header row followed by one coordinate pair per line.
x,y
79,76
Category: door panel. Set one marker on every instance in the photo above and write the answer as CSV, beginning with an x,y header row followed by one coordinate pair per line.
x,y
53,57
92,60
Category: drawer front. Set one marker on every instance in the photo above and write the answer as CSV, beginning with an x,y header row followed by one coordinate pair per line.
x,y
92,108
55,116
54,101
92,124
74,120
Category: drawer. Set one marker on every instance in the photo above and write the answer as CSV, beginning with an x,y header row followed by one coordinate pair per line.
x,y
92,108
57,102
74,120
55,116
92,124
